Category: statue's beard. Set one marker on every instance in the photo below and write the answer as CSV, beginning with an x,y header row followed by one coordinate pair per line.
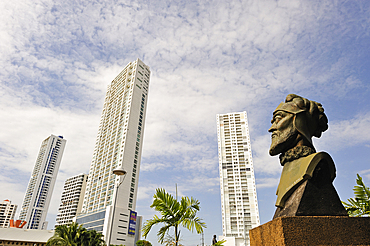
x,y
282,141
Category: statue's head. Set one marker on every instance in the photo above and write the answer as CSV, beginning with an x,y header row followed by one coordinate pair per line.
x,y
295,122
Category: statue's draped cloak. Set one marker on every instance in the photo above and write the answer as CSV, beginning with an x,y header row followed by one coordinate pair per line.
x,y
296,172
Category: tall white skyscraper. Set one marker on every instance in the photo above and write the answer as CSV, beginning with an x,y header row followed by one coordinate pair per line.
x,y
41,185
7,212
72,199
119,143
238,188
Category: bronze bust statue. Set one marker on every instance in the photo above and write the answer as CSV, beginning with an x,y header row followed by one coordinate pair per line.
x,y
305,187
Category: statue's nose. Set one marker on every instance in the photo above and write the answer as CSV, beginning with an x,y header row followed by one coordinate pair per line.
x,y
272,128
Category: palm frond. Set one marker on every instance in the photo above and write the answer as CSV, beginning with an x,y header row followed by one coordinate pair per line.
x,y
361,191
162,233
75,235
164,203
194,223
150,223
173,213
220,243
56,240
360,204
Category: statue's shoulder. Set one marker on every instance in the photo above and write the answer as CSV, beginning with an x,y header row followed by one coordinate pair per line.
x,y
312,161
296,172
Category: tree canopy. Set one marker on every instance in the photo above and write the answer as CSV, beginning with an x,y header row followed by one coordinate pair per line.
x,y
360,204
173,214
75,235
143,243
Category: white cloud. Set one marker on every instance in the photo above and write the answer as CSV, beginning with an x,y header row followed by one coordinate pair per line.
x,y
153,166
365,174
262,161
206,58
344,133
12,189
267,182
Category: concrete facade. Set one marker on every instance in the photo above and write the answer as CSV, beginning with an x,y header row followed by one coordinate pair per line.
x,y
238,189
312,230
118,143
72,199
7,213
41,185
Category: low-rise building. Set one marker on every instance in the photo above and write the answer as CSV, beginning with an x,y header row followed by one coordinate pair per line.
x,y
7,212
28,237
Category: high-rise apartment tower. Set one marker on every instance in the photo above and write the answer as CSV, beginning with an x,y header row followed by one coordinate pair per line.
x,y
238,189
7,212
40,187
119,143
72,199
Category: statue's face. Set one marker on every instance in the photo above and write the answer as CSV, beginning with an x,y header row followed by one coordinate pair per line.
x,y
283,132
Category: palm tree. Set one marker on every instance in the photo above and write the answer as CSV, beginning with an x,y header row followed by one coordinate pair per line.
x,y
75,235
173,214
360,205
143,243
170,241
67,235
94,238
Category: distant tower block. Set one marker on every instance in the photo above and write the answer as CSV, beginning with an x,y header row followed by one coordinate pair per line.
x,y
72,199
119,143
40,187
238,188
7,212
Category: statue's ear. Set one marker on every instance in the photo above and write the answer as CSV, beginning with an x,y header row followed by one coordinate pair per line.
x,y
301,124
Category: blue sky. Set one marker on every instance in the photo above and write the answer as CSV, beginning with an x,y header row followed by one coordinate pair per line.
x,y
206,57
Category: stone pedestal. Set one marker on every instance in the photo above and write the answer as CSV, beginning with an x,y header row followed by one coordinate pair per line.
x,y
312,230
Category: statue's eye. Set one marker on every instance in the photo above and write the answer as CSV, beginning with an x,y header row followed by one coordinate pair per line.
x,y
277,118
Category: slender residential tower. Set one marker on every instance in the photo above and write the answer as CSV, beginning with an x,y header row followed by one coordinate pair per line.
x,y
119,143
7,212
238,189
40,188
72,199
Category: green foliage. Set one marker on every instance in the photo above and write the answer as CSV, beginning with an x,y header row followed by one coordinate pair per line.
x,y
220,243
173,214
94,238
143,243
75,235
360,205
171,241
